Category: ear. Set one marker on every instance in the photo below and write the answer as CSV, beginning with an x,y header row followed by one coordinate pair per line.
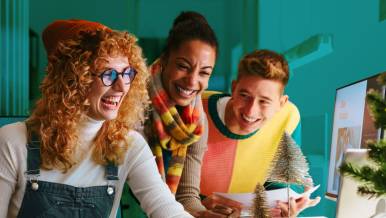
x,y
234,83
163,61
283,100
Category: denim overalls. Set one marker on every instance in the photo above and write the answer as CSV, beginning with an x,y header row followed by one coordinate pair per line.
x,y
48,199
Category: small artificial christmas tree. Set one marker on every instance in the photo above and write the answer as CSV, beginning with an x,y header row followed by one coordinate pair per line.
x,y
260,209
289,167
373,177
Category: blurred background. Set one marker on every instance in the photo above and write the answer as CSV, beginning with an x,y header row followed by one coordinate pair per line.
x,y
328,44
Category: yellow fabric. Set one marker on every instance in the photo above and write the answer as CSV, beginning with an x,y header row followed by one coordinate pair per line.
x,y
294,119
207,94
253,159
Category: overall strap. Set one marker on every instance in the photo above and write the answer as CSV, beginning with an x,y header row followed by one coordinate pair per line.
x,y
111,171
33,155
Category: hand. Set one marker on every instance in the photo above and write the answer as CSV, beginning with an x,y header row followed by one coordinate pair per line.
x,y
297,206
220,207
275,212
220,212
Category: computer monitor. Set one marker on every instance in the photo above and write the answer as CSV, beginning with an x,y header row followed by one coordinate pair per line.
x,y
350,203
352,126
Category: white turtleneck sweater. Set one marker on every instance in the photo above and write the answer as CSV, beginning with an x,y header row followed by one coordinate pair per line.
x,y
139,170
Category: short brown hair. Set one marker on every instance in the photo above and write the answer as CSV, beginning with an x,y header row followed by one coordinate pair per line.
x,y
265,63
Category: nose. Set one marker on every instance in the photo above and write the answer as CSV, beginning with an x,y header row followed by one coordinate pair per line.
x,y
119,85
252,108
192,78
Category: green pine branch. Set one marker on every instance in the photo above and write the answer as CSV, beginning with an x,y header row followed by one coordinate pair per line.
x,y
373,180
377,152
377,107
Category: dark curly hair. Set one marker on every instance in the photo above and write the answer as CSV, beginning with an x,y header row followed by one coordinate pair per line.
x,y
188,26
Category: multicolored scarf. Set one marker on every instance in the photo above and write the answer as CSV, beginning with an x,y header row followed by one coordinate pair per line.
x,y
172,131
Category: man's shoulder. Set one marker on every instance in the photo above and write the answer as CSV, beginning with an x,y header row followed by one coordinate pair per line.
x,y
293,107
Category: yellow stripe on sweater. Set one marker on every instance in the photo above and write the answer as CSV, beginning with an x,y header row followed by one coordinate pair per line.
x,y
253,160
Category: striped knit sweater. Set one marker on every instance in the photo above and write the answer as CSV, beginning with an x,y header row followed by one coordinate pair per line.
x,y
236,163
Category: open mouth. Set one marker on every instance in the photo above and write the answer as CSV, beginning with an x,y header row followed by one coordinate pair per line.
x,y
184,92
249,119
111,102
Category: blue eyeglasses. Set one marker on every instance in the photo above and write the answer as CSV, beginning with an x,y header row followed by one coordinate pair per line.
x,y
109,77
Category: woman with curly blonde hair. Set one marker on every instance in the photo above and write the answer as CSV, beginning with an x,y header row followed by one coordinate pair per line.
x,y
73,155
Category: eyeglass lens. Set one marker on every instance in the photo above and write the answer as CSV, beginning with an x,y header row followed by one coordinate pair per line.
x,y
110,76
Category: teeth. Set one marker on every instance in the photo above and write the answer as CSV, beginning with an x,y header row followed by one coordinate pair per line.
x,y
185,91
112,100
249,119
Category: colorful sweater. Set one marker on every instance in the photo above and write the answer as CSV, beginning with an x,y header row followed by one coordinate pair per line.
x,y
236,163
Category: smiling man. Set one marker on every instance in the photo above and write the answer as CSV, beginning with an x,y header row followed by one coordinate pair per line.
x,y
245,128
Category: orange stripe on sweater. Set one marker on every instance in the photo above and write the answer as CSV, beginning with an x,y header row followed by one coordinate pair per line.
x,y
217,165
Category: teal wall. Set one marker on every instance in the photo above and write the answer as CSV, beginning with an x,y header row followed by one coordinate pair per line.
x,y
359,43
150,21
115,14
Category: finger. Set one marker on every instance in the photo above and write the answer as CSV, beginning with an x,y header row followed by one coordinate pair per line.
x,y
302,200
208,202
282,206
226,201
314,202
301,203
222,209
211,214
235,214
275,212
294,206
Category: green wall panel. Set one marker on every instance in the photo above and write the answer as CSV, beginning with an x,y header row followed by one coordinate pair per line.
x,y
382,10
14,65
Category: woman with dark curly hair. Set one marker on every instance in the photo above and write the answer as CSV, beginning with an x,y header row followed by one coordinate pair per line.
x,y
73,155
177,128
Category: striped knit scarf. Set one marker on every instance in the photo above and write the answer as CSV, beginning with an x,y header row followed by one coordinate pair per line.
x,y
172,130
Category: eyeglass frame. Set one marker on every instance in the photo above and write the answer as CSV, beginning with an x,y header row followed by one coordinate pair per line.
x,y
110,71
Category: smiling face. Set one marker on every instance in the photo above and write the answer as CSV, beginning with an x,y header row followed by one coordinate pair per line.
x,y
106,100
254,101
187,70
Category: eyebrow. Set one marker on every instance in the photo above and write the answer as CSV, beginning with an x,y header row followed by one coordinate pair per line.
x,y
243,90
266,98
186,60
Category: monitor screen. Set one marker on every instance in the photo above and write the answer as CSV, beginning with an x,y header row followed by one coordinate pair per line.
x,y
352,126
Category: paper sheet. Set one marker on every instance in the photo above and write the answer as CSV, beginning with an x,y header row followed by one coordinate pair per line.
x,y
272,196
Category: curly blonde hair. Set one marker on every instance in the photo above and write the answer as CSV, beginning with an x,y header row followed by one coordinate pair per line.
x,y
64,99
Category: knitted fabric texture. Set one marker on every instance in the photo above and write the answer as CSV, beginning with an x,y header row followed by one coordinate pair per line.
x,y
236,163
172,130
